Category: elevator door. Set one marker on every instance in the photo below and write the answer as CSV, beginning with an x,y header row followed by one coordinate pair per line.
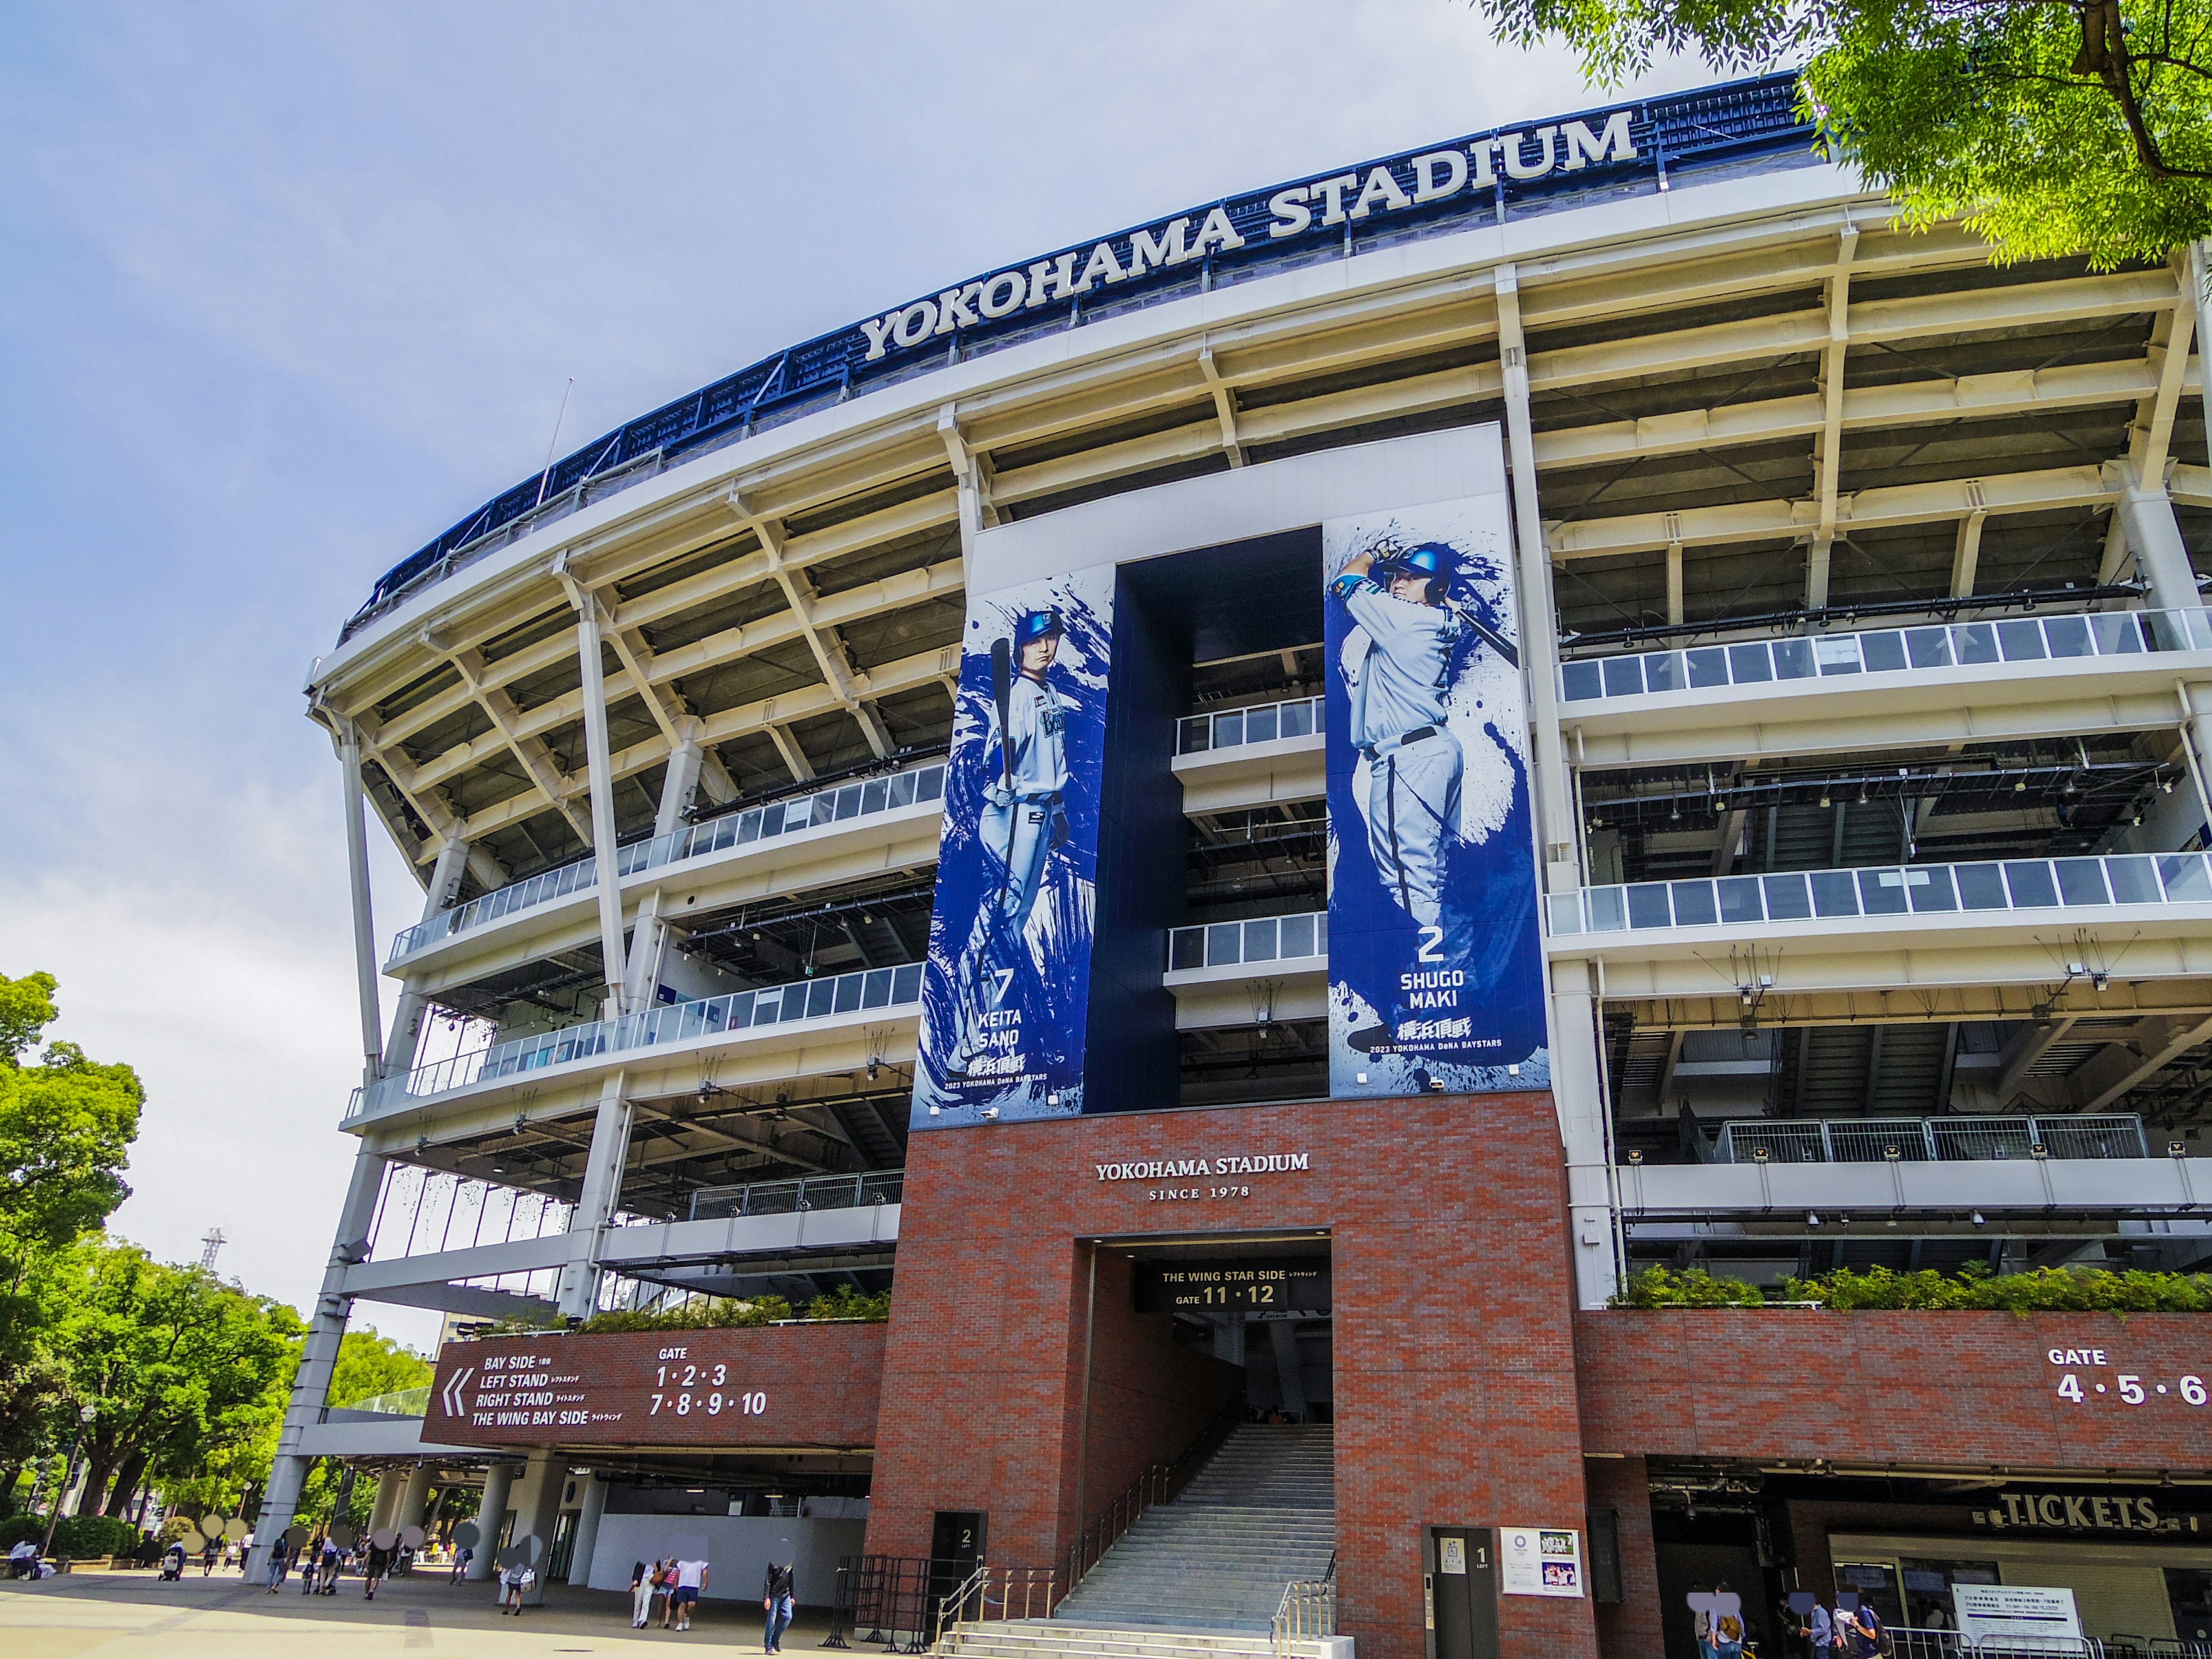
x,y
1463,1593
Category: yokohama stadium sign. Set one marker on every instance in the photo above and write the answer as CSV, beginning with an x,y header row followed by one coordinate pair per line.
x,y
1316,209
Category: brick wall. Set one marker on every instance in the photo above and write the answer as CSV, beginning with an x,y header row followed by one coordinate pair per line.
x,y
1905,1387
1455,1398
1623,1485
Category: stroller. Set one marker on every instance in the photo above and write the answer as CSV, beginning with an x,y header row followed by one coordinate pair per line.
x,y
173,1563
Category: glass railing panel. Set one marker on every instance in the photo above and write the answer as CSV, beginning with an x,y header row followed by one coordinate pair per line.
x,y
1921,1140
1264,939
1891,891
1932,646
1300,717
836,805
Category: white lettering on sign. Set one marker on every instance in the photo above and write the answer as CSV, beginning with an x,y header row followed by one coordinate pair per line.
x,y
2078,1357
1170,1168
1389,187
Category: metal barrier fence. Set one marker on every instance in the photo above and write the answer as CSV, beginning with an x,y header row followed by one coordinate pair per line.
x,y
1927,1140
1267,939
806,999
811,810
1888,650
905,1604
1886,890
844,1192
1232,728
1306,1612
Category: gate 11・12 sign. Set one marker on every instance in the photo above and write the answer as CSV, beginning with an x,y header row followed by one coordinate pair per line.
x,y
1279,1287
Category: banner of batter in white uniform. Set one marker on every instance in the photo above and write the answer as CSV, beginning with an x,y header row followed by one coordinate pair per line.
x,y
1005,995
1435,969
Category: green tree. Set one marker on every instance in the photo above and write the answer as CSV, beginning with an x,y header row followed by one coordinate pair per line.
x,y
369,1366
179,1367
66,1126
2053,127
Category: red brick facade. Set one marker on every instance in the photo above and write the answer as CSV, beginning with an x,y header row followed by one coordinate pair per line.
x,y
1455,1386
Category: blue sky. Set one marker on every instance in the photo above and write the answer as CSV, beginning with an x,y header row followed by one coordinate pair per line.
x,y
285,290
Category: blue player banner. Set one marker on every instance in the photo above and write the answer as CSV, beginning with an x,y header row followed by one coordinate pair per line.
x,y
1435,969
1006,991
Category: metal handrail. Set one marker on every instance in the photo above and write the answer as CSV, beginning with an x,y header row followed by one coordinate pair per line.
x,y
1305,1612
1265,722
837,1192
1298,938
1161,1483
971,1603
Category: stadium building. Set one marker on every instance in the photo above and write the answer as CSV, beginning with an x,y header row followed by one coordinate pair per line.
x,y
1248,816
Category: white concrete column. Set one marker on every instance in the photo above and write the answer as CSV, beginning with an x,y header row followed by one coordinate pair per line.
x,y
2162,555
1558,833
391,1488
1578,1093
538,1511
414,1498
311,1384
2200,272
679,788
587,1529
364,921
578,1292
406,1041
592,667
491,1514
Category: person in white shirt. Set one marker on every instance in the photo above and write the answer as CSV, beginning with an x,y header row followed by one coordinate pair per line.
x,y
691,1579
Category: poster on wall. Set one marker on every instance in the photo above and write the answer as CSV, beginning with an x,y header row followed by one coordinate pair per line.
x,y
1007,989
1540,1561
1435,972
1999,1610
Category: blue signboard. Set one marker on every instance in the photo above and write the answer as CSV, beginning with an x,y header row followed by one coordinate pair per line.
x,y
1006,991
1435,971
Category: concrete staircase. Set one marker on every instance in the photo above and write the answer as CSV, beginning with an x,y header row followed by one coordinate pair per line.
x,y
1262,1512
1056,1639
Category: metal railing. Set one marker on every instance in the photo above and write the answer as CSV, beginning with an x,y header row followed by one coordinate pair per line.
x,y
1886,651
836,1192
893,1598
811,810
1886,890
676,1022
1927,1140
1266,938
998,1593
1232,728
1306,1612
1162,1483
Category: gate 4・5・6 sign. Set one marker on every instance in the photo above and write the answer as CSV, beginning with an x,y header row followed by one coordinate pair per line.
x,y
2128,1388
1311,209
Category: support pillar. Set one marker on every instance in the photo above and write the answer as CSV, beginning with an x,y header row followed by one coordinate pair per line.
x,y
1585,1131
579,1290
401,1047
1555,817
537,1513
587,1529
2162,555
414,1498
1288,1382
364,923
491,1518
391,1490
591,664
311,1384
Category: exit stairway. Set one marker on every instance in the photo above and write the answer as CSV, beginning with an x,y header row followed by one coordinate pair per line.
x,y
1262,1512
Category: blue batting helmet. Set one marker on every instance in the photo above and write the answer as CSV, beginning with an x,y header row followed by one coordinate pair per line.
x,y
1037,625
1431,559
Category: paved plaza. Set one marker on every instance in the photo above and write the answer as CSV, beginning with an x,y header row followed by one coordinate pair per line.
x,y
122,1613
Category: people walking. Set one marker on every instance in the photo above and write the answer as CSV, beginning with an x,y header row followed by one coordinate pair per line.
x,y
514,1580
641,1593
461,1559
280,1564
778,1601
208,1556
373,1566
1818,1628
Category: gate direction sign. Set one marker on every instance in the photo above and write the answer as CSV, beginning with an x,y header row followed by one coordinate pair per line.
x,y
1290,1285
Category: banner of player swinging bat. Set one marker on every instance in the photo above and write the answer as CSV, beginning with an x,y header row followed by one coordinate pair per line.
x,y
1006,991
1435,967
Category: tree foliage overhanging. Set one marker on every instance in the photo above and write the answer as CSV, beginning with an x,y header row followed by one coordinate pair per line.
x,y
2054,127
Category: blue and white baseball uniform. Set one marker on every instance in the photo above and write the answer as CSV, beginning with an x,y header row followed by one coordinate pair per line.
x,y
1395,667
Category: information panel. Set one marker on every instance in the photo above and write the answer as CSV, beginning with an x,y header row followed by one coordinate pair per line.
x,y
789,1385
1285,1286
1435,971
1006,991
